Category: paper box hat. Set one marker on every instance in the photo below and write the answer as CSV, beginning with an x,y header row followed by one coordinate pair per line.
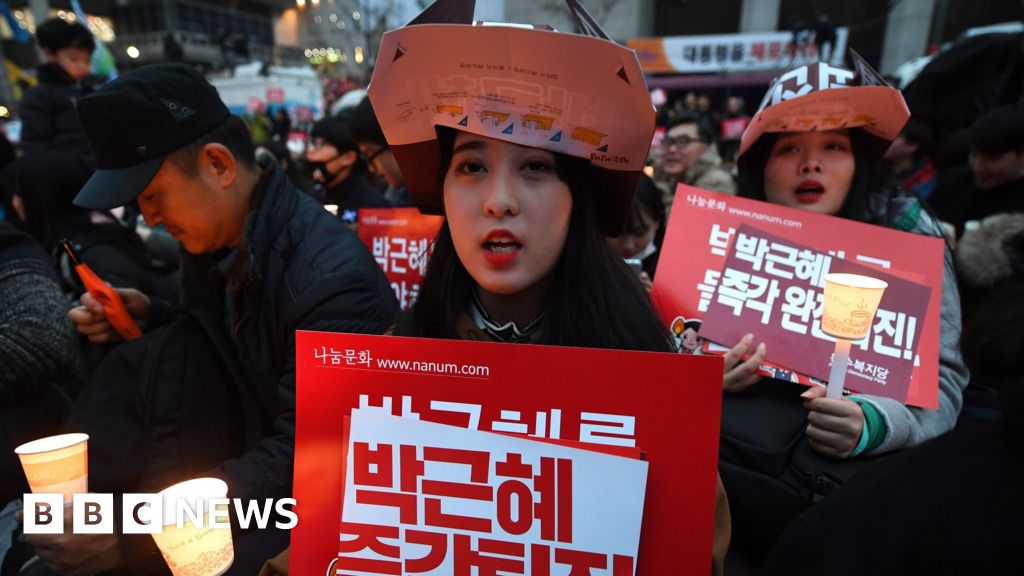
x,y
824,97
579,95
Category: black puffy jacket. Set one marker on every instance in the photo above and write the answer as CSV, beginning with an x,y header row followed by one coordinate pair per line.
x,y
49,118
297,268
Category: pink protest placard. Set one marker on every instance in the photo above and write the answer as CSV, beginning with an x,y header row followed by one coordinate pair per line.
x,y
773,287
400,241
700,232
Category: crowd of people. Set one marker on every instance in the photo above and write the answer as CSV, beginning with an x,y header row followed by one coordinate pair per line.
x,y
535,248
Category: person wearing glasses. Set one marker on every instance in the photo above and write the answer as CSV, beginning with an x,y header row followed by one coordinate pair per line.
x,y
690,157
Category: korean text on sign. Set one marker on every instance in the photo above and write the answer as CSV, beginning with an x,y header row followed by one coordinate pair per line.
x,y
425,498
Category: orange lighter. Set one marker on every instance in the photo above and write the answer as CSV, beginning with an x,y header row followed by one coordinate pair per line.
x,y
113,306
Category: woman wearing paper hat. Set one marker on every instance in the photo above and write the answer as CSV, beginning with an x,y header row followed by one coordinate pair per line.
x,y
816,144
531,143
533,159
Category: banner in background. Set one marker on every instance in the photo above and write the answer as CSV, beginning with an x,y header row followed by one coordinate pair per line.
x,y
711,54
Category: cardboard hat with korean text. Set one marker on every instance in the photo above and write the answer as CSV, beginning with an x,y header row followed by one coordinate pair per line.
x,y
576,94
819,97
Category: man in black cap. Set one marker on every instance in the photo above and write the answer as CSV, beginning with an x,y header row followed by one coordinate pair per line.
x,y
338,170
262,254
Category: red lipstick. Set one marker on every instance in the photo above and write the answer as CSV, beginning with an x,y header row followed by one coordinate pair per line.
x,y
809,191
501,248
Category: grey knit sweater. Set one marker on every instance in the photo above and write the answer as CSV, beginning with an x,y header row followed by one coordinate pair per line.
x,y
909,425
36,338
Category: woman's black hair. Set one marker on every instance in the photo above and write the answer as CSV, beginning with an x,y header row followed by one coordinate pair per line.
x,y
871,193
648,197
594,299
56,34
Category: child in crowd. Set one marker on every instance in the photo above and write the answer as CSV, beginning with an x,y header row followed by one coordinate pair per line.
x,y
49,119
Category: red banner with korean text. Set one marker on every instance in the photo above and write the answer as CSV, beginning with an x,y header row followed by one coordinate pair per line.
x,y
401,241
559,421
702,229
774,287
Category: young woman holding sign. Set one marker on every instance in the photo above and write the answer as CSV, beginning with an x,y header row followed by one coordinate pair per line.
x,y
838,172
530,187
533,160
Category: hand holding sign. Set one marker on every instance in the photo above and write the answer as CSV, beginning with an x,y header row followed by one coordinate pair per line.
x,y
741,368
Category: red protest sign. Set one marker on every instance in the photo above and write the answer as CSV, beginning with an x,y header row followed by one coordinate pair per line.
x,y
703,225
400,240
665,404
275,95
732,128
773,287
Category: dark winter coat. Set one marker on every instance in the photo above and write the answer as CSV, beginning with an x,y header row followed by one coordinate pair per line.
x,y
953,506
352,194
49,118
297,268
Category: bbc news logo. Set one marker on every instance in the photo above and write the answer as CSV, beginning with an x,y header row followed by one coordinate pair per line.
x,y
151,513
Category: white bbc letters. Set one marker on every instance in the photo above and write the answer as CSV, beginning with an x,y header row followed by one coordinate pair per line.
x,y
93,513
142,514
292,517
44,513
220,513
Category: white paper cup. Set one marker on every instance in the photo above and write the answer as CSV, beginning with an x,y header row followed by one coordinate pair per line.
x,y
190,550
850,304
57,464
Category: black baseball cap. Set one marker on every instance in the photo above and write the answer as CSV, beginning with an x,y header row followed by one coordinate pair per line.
x,y
134,122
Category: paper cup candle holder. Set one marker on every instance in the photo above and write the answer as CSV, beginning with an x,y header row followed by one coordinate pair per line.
x,y
196,548
848,312
56,464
